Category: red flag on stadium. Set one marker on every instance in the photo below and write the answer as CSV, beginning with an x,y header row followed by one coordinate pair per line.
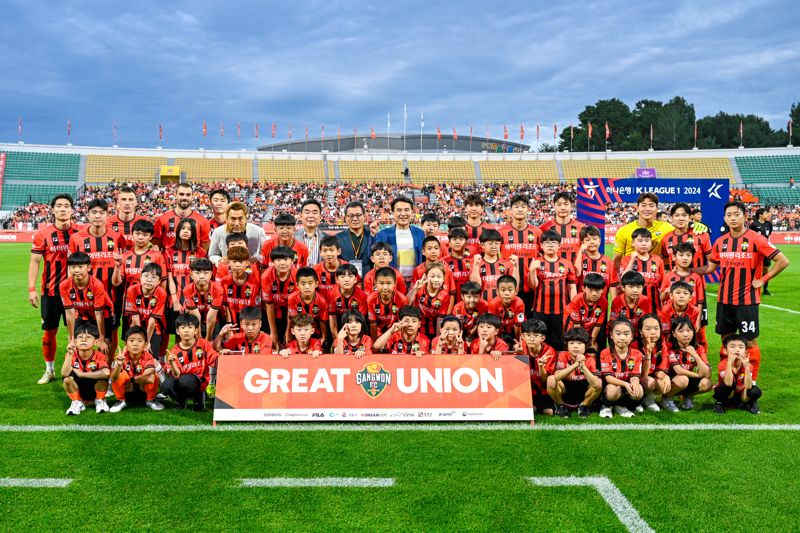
x,y
695,132
205,128
555,131
608,131
470,132
521,132
69,127
160,132
221,129
455,135
438,133
339,133
590,130
19,126
275,130
505,131
790,131
372,133
537,132
256,130
571,132
238,129
651,133
306,131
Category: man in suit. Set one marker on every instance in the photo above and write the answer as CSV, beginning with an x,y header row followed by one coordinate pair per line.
x,y
310,234
405,239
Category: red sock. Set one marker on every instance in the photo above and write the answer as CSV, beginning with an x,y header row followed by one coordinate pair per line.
x,y
49,345
74,395
101,394
755,360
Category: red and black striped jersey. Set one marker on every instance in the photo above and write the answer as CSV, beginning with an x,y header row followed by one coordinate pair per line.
x,y
474,234
146,307
327,278
432,308
511,315
102,250
212,298
602,265
398,345
553,289
86,300
124,228
563,360
164,231
212,225
340,304
449,281
524,244
653,271
448,349
622,368
694,279
53,245
364,344
633,313
490,273
741,260
658,357
318,308
580,313
570,237
276,291
383,315
685,360
136,368
468,318
198,359
133,263
178,263
300,252
96,361
314,345
701,243
238,296
498,345
369,282
460,269
668,313
262,344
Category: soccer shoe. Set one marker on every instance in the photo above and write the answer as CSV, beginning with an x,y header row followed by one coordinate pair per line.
x,y
687,404
639,408
753,407
46,378
200,406
669,405
606,412
76,408
650,404
119,406
211,390
766,292
562,411
100,406
160,397
624,412
583,411
719,408
155,405
180,405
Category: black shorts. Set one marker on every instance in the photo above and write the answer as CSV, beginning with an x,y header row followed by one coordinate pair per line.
x,y
692,387
741,319
574,391
119,304
52,311
555,329
108,324
86,386
703,313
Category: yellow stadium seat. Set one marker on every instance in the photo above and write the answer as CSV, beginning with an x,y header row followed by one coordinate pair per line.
x,y
216,170
371,171
291,171
519,171
695,167
605,168
435,172
122,168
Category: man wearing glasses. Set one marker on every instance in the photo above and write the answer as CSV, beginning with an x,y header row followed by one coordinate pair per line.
x,y
356,241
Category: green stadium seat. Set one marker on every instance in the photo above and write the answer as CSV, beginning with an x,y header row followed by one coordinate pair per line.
x,y
20,194
36,166
769,169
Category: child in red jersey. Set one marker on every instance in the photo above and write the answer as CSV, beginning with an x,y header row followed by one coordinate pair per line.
x,y
450,340
85,300
565,226
145,304
509,308
488,341
310,301
474,224
458,260
85,371
329,251
236,240
621,369
680,294
133,374
285,224
573,379
353,338
191,362
553,279
532,344
242,287
432,297
682,271
404,337
589,260
470,308
521,239
347,295
589,310
655,378
681,218
384,305
179,258
382,255
688,367
631,305
302,343
735,387
278,282
431,250
488,266
648,265
430,223
202,297
247,337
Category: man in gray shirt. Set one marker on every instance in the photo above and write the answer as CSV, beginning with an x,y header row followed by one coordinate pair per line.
x,y
236,222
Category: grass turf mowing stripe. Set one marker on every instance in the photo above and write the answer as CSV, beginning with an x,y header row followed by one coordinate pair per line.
x,y
792,311
298,482
394,427
35,483
623,508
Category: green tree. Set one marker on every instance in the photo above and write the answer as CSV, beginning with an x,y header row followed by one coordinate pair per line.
x,y
646,114
794,116
674,128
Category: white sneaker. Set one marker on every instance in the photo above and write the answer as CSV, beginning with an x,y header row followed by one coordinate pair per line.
x,y
639,408
160,397
155,405
606,412
46,378
688,404
100,406
669,405
624,412
119,406
110,393
650,403
76,408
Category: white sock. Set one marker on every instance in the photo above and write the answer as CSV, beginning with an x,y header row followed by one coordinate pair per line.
x,y
162,375
212,374
51,366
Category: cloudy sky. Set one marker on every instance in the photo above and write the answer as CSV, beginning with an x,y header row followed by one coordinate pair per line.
x,y
348,64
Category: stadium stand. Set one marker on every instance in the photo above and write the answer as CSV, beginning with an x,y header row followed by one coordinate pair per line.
x,y
768,169
371,171
36,166
111,168
519,171
19,194
774,195
216,170
701,167
611,168
431,172
291,171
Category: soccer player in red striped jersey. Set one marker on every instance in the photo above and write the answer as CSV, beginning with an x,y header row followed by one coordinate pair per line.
x,y
459,260
488,267
353,337
450,340
85,299
307,299
384,304
85,371
192,362
129,265
682,271
553,278
347,295
688,366
277,284
470,308
572,377
145,306
219,198
166,225
202,297
589,310
644,262
242,288
488,341
521,239
431,250
284,236
590,261
51,247
404,337
233,240
621,370
630,304
329,250
125,216
681,218
474,224
381,256
567,227
740,254
532,343
509,308
246,338
432,297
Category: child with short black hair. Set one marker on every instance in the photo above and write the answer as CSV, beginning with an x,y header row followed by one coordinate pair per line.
x,y
649,265
347,295
590,261
532,343
450,340
245,338
133,375
589,310
631,305
85,300
488,341
242,287
191,363
284,236
278,282
488,266
329,250
405,337
384,305
145,306
381,256
459,259
553,279
85,371
203,297
353,338
573,379
431,250
309,301
509,308
735,388
470,308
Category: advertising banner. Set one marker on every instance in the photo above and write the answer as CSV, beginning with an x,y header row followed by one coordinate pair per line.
x,y
381,387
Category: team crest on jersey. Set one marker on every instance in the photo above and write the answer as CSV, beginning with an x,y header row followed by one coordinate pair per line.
x,y
353,304
436,304
690,240
603,268
561,269
199,353
256,348
638,311
152,302
373,379
147,260
110,244
248,291
510,238
631,364
745,246
394,309
573,232
598,312
92,366
691,359
415,347
653,267
315,310
89,295
138,369
531,237
209,299
248,270
502,269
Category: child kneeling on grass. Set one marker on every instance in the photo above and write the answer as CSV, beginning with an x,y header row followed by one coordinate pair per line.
x,y
735,387
573,380
85,371
190,364
621,368
688,367
133,376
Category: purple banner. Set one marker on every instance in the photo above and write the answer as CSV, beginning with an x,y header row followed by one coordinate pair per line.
x,y
645,173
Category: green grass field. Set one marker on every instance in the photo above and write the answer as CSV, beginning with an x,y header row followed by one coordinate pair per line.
x,y
702,480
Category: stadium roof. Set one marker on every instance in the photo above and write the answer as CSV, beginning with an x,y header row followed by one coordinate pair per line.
x,y
428,142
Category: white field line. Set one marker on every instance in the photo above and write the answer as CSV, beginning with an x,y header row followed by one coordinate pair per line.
x,y
298,482
791,311
411,426
35,483
623,508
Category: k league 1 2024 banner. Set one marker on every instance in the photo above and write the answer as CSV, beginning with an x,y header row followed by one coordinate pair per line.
x,y
378,387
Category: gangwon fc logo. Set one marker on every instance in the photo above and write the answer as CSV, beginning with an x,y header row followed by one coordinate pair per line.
x,y
374,379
